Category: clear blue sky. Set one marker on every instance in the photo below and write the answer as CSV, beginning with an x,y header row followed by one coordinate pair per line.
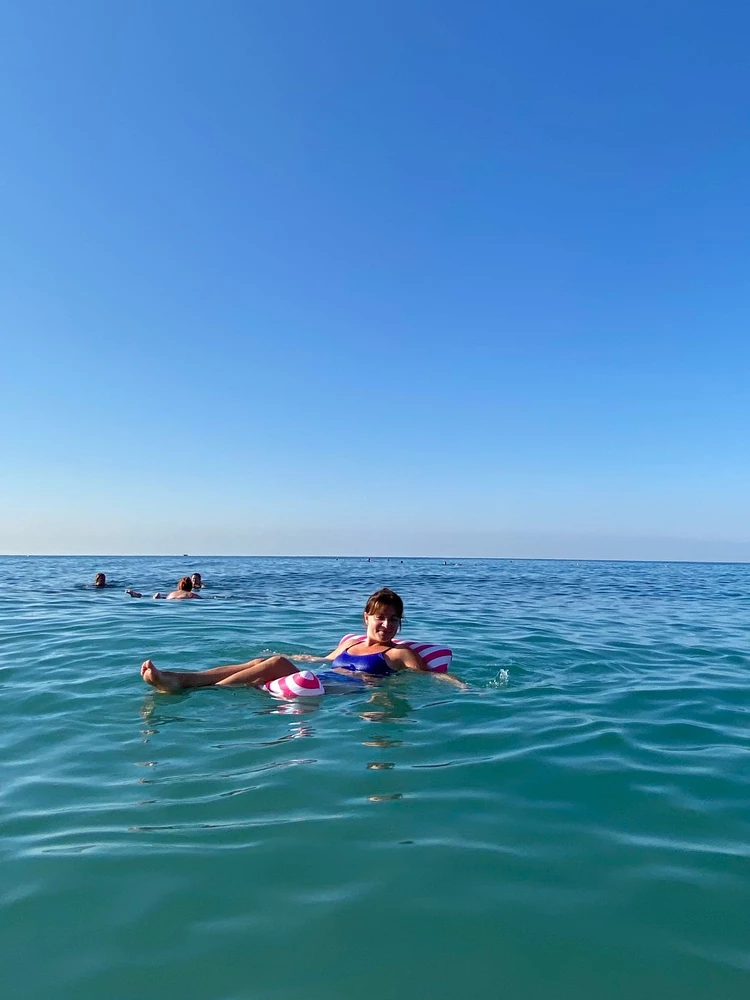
x,y
380,277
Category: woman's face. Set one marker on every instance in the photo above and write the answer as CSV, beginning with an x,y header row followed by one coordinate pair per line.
x,y
382,625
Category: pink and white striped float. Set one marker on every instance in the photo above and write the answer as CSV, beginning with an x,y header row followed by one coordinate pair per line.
x,y
303,684
436,658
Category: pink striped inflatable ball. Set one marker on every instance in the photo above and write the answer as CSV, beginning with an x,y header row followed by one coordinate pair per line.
x,y
436,658
303,684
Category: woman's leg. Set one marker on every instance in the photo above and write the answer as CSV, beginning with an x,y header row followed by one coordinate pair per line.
x,y
259,672
253,673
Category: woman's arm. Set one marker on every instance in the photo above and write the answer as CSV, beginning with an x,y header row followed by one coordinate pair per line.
x,y
309,658
407,659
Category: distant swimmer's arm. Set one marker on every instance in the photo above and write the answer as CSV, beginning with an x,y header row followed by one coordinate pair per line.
x,y
133,593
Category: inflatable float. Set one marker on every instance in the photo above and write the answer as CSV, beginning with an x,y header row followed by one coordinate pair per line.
x,y
306,684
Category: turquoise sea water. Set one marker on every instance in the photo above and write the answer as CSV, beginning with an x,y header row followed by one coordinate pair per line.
x,y
582,830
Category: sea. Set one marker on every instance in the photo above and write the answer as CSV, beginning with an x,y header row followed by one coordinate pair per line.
x,y
573,824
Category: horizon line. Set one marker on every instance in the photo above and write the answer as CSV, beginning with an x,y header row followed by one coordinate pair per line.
x,y
185,555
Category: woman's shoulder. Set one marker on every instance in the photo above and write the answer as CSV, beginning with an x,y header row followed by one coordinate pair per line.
x,y
344,646
401,655
394,652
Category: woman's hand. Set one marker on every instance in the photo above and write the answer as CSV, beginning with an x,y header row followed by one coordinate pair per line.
x,y
462,685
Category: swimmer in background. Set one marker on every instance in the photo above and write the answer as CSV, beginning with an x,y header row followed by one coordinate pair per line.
x,y
196,581
356,661
184,592
100,582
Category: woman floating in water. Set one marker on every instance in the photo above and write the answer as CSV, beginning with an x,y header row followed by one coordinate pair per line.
x,y
367,660
184,591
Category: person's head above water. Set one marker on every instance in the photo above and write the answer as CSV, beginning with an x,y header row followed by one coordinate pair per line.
x,y
100,580
185,584
383,613
197,581
385,599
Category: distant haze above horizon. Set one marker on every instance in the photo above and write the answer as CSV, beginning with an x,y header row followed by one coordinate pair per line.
x,y
476,547
423,279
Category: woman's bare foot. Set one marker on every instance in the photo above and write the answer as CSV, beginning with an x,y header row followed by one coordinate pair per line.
x,y
162,680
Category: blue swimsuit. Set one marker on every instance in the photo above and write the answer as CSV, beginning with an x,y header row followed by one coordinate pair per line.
x,y
374,664
353,665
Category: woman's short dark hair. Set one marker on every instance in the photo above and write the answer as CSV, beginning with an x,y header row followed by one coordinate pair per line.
x,y
385,598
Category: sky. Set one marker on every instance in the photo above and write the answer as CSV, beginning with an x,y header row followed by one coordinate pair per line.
x,y
380,277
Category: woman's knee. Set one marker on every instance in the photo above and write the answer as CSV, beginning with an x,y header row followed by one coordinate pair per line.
x,y
280,663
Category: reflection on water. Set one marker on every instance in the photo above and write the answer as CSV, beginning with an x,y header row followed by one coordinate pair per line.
x,y
389,707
